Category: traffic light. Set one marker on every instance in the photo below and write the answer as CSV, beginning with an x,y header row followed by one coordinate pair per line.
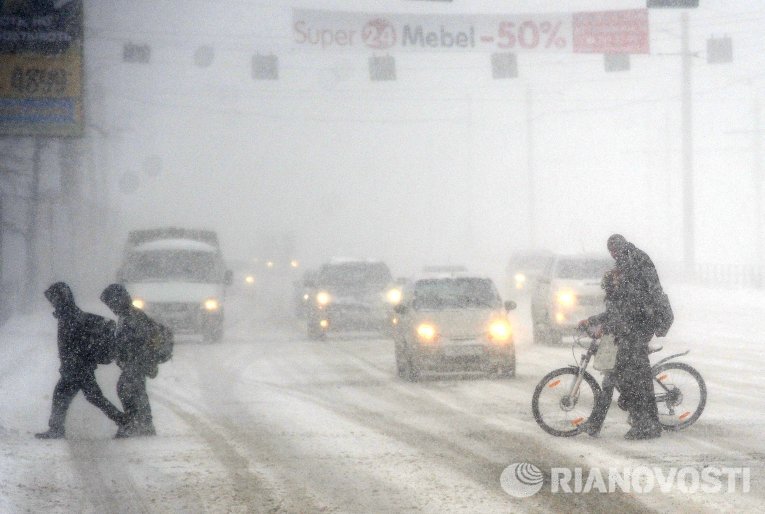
x,y
136,53
685,4
719,50
616,62
382,68
504,66
204,56
265,67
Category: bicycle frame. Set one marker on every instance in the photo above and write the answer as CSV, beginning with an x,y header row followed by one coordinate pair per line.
x,y
582,368
665,359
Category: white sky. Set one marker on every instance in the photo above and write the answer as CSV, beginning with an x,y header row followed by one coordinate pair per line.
x,y
432,167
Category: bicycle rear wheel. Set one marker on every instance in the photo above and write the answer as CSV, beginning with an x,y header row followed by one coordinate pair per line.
x,y
681,395
555,410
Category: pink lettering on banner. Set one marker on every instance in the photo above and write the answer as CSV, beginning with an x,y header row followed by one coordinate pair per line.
x,y
611,32
379,34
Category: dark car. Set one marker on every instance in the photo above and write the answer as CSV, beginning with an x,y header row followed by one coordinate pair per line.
x,y
453,323
349,295
523,269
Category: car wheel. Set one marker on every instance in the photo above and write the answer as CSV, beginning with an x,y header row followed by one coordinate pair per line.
x,y
212,334
411,368
315,331
505,369
400,361
540,333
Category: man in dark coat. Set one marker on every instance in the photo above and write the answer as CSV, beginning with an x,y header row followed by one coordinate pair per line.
x,y
638,286
134,358
614,321
84,340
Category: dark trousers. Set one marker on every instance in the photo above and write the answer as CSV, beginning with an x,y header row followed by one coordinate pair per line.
x,y
632,375
131,389
67,388
602,403
635,381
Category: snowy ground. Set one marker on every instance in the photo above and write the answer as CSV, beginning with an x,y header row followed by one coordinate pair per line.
x,y
269,421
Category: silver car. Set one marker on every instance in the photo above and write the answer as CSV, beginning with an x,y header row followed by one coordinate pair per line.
x,y
453,324
568,291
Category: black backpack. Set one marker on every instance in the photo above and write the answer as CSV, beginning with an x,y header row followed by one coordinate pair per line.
x,y
161,341
662,314
99,337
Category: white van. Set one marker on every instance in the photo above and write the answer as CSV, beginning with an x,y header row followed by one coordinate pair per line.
x,y
178,277
567,292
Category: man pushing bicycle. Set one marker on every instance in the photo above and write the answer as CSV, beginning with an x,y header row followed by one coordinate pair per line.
x,y
632,289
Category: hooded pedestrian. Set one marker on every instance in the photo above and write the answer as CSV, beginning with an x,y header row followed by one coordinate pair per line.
x,y
84,341
638,286
133,356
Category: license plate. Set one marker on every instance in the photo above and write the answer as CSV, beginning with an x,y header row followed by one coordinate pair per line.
x,y
462,351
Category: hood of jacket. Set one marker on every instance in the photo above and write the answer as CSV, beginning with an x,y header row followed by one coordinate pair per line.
x,y
61,297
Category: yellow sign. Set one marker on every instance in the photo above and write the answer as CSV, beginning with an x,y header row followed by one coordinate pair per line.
x,y
41,68
26,76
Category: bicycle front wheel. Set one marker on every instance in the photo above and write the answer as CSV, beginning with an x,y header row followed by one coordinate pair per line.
x,y
559,410
681,395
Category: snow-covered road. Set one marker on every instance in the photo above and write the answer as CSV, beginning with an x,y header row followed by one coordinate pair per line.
x,y
269,421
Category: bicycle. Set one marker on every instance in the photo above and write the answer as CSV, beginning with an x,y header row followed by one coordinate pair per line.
x,y
565,398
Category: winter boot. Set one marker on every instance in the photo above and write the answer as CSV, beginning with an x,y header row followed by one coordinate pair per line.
x,y
51,433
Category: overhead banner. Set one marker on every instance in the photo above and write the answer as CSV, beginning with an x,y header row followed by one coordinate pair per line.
x,y
41,67
580,32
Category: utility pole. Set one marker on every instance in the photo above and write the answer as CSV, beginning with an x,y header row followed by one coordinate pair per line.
x,y
757,171
689,243
530,168
757,133
31,231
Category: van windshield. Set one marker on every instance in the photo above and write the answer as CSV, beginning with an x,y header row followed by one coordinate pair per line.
x,y
355,275
459,293
580,269
171,266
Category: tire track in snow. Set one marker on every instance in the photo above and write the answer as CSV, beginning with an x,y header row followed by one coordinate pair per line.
x,y
251,492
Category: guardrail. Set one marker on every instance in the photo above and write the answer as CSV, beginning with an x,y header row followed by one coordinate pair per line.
x,y
744,276
10,296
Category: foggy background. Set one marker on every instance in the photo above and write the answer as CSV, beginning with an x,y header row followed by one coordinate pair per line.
x,y
431,168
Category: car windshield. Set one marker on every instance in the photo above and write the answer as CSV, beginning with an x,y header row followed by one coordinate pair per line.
x,y
450,293
355,275
578,269
171,265
528,262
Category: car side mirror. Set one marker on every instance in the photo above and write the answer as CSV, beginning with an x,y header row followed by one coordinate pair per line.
x,y
228,277
510,305
400,309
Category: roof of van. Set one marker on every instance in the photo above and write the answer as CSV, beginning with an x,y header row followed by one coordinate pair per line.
x,y
175,244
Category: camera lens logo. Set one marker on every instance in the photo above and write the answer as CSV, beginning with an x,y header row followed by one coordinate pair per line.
x,y
521,480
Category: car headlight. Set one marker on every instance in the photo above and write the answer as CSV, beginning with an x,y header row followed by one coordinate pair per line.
x,y
565,298
393,296
211,304
249,279
520,280
426,332
500,331
323,298
138,303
